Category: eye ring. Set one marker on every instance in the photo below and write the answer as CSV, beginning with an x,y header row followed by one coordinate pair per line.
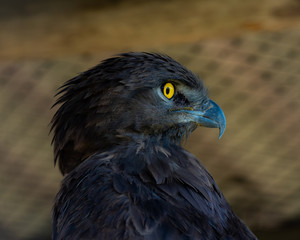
x,y
169,90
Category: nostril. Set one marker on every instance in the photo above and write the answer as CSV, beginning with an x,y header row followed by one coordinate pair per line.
x,y
205,104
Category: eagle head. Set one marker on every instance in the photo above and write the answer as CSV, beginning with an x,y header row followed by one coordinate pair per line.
x,y
130,97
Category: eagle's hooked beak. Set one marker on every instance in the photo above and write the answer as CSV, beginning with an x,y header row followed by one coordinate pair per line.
x,y
210,115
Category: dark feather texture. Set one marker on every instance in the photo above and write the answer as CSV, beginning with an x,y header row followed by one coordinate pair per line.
x,y
117,137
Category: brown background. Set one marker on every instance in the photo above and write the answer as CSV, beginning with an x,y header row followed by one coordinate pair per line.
x,y
247,52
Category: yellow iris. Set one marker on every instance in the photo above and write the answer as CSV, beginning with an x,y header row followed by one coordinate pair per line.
x,y
169,90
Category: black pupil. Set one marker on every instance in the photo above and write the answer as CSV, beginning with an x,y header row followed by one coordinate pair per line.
x,y
167,90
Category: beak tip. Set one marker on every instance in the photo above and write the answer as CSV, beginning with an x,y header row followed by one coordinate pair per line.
x,y
222,127
222,124
221,131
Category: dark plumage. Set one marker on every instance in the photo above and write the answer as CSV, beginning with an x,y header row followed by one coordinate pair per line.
x,y
117,136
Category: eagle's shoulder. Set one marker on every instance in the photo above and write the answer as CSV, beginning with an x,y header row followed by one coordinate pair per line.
x,y
108,197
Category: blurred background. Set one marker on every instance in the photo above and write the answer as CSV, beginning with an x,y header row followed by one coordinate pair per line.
x,y
247,53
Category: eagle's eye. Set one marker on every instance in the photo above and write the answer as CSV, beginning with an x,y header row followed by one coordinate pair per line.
x,y
168,90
